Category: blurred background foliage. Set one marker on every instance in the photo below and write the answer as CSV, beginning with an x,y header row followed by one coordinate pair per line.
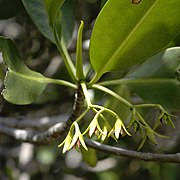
x,y
24,161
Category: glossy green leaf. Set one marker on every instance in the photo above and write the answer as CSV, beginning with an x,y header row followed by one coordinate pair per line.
x,y
158,79
22,85
125,34
55,20
37,12
53,8
68,20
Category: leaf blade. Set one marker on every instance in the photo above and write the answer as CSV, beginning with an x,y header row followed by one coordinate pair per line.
x,y
126,34
22,85
157,79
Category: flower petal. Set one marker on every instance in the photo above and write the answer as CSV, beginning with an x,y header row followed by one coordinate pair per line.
x,y
81,139
92,126
117,128
104,134
76,135
67,142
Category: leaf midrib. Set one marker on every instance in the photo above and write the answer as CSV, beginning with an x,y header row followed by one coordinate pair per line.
x,y
126,39
28,77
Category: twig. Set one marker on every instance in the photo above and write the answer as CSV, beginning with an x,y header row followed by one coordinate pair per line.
x,y
53,133
165,158
38,123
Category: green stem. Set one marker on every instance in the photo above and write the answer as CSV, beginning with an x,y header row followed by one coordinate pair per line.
x,y
86,94
82,115
134,81
65,55
112,93
105,109
148,105
59,82
142,120
94,80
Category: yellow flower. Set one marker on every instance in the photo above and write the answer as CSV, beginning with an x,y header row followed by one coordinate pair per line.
x,y
118,129
73,140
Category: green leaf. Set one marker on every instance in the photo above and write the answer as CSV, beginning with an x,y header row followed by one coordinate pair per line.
x,y
125,34
68,20
90,156
36,10
157,80
79,64
53,8
55,20
22,85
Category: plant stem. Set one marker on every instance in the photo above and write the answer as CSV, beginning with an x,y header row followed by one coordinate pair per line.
x,y
86,94
82,115
59,82
148,105
105,109
134,81
68,62
65,55
94,80
112,93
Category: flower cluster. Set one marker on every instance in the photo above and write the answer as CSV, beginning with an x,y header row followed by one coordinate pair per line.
x,y
73,138
98,126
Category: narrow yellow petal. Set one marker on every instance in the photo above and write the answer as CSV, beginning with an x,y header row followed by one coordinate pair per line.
x,y
104,134
81,139
117,128
92,126
76,135
67,142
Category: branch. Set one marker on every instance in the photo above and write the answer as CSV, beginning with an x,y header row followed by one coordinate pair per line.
x,y
53,133
45,137
165,158
38,123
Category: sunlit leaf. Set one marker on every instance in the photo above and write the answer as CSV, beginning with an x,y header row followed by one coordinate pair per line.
x,y
125,34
